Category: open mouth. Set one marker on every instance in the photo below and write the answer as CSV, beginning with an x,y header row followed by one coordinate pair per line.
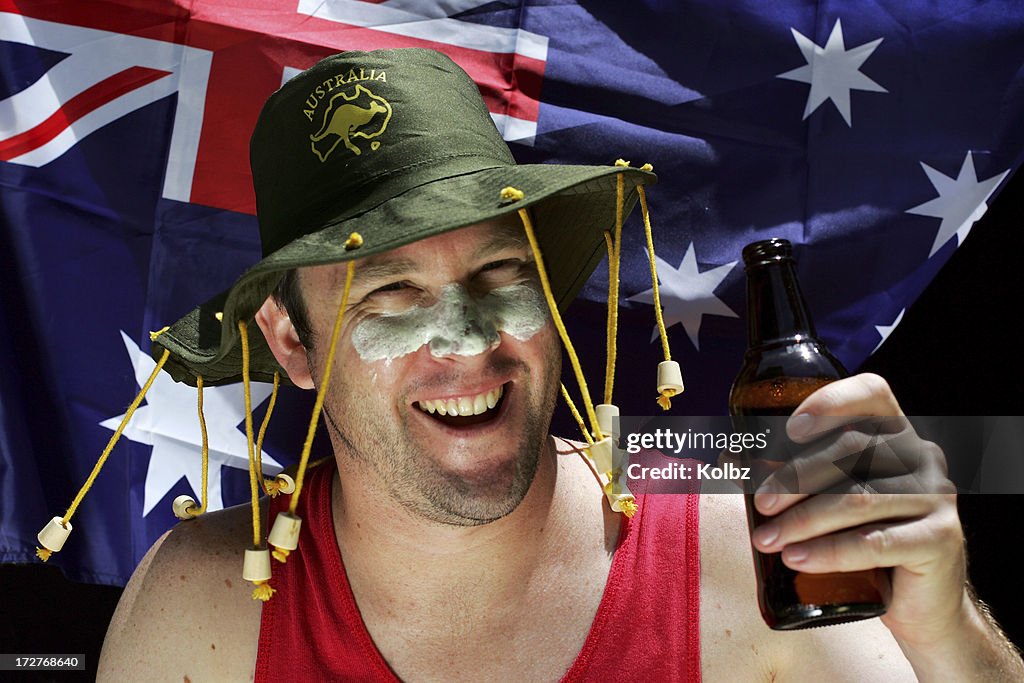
x,y
465,411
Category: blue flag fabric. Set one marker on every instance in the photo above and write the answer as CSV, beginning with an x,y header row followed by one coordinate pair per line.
x,y
871,136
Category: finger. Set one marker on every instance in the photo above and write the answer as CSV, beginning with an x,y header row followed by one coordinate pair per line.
x,y
851,459
911,544
861,395
831,513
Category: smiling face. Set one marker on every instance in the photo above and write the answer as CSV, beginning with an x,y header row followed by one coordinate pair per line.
x,y
446,371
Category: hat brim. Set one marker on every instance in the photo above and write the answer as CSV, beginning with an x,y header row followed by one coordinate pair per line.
x,y
572,207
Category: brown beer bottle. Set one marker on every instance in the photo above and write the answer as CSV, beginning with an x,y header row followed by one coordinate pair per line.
x,y
784,363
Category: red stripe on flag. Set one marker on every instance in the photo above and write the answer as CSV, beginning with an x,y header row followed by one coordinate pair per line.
x,y
249,48
510,82
78,106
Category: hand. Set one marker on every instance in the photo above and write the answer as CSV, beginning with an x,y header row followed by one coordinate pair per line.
x,y
897,510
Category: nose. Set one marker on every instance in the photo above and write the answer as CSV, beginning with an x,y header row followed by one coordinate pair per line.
x,y
462,326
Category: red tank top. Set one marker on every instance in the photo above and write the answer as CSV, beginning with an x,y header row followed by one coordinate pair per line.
x,y
646,627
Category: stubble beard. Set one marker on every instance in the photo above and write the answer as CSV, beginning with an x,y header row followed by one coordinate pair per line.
x,y
426,490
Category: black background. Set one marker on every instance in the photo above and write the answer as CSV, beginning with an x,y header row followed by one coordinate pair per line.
x,y
957,352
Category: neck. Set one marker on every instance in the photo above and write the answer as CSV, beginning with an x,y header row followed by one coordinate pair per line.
x,y
386,533
420,584
392,553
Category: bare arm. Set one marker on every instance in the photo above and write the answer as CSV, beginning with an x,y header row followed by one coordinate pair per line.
x,y
186,613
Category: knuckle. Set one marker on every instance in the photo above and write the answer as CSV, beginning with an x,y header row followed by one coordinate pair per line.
x,y
800,519
877,540
933,455
830,551
854,441
947,529
874,384
859,501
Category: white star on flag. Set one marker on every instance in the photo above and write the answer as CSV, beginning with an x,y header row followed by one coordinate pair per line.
x,y
886,330
960,203
170,423
832,71
687,294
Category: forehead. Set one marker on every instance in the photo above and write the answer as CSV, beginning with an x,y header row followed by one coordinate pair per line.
x,y
473,240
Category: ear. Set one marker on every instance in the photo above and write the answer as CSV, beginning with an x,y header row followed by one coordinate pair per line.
x,y
284,342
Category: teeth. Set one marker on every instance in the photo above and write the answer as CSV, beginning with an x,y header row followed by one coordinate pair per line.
x,y
463,405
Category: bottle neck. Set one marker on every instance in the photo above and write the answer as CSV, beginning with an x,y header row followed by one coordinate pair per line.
x,y
776,311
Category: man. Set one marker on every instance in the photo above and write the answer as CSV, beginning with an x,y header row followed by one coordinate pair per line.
x,y
453,538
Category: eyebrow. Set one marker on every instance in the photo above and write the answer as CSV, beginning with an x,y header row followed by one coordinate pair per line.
x,y
374,271
502,241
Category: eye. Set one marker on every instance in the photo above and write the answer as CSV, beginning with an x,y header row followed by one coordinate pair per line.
x,y
393,287
505,265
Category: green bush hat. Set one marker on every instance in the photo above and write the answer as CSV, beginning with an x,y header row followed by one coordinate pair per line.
x,y
396,145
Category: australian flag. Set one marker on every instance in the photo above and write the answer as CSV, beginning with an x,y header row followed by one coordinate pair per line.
x,y
872,135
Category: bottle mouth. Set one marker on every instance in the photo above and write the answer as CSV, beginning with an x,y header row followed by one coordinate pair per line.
x,y
770,250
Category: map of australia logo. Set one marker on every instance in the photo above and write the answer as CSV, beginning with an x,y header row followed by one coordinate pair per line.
x,y
349,116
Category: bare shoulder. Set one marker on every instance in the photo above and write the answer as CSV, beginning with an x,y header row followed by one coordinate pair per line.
x,y
187,613
737,645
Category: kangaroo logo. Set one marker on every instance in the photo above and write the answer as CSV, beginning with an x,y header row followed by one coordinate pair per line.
x,y
349,116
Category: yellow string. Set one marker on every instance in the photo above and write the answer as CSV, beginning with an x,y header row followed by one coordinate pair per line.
x,y
665,397
557,318
610,248
262,591
253,486
113,439
269,485
576,414
654,272
354,241
205,451
614,260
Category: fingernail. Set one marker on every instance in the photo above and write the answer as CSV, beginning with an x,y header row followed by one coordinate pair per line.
x,y
766,535
794,555
766,501
800,425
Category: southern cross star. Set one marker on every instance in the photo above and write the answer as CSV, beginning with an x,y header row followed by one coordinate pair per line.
x,y
170,423
687,294
832,71
960,203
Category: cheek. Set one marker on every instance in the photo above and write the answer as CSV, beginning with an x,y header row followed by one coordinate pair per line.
x,y
362,386
520,310
385,338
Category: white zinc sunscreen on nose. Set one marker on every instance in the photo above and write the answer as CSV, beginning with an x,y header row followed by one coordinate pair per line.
x,y
457,324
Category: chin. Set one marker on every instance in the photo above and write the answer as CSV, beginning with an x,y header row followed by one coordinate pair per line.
x,y
480,497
